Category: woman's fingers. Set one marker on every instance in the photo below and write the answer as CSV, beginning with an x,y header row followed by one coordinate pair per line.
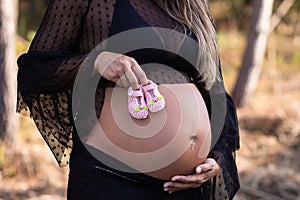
x,y
204,172
186,182
123,81
132,79
128,64
209,164
174,186
111,75
120,69
196,178
115,73
134,73
139,72
103,62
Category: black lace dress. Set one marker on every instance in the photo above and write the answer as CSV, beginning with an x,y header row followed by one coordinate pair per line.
x,y
69,31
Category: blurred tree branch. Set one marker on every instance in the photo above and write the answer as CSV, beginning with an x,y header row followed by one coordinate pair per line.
x,y
280,13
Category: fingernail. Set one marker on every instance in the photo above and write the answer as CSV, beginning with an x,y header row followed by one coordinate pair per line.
x,y
198,170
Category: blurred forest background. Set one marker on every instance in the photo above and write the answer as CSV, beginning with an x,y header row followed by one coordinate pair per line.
x,y
269,110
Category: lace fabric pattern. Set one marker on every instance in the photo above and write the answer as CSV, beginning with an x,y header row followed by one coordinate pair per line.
x,y
70,29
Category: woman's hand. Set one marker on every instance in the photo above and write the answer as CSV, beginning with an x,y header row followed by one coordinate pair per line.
x,y
204,172
121,69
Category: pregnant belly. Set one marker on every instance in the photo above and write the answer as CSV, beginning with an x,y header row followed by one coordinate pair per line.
x,y
169,142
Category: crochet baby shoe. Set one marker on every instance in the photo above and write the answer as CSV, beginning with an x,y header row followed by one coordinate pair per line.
x,y
155,101
136,104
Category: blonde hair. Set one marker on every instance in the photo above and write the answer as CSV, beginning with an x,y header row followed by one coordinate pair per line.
x,y
195,15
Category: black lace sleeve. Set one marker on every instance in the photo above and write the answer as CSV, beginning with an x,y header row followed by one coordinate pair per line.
x,y
54,55
224,150
225,137
47,72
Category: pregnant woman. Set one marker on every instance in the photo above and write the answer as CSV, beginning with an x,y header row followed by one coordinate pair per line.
x,y
70,30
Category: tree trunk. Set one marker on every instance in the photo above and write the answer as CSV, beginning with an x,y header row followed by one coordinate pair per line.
x,y
255,51
8,120
262,25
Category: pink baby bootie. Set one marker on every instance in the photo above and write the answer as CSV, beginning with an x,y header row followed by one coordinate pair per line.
x,y
136,104
155,101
